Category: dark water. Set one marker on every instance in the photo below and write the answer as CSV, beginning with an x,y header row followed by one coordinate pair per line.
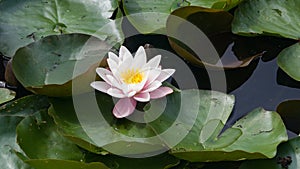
x,y
262,89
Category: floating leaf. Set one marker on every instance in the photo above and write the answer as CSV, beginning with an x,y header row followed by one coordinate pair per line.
x,y
6,95
95,128
151,16
23,22
51,149
49,65
8,159
270,17
10,116
289,61
24,106
286,158
289,112
204,142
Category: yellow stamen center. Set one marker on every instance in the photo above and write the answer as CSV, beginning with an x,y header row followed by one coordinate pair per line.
x,y
132,76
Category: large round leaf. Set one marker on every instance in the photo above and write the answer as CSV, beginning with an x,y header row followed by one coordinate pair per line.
x,y
275,17
23,22
100,132
24,106
289,61
204,142
288,157
151,16
50,150
8,158
49,65
10,116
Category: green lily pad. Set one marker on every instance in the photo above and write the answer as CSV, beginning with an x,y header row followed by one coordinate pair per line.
x,y
23,22
269,17
8,159
288,157
95,128
6,95
289,111
10,116
203,143
50,148
47,142
49,65
151,16
289,61
24,106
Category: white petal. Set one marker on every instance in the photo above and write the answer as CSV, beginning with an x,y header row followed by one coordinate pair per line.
x,y
124,107
142,97
103,74
124,53
113,81
165,74
151,87
154,62
160,92
140,58
113,66
101,86
113,57
115,93
153,74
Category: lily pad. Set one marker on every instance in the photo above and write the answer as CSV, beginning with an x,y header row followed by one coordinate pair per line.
x,y
205,143
286,158
25,106
8,159
269,17
6,95
49,65
95,128
289,61
51,149
10,116
289,111
151,16
23,22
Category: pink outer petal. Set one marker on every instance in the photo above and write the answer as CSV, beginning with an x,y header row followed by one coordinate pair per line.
x,y
142,97
160,92
165,74
101,86
115,93
124,107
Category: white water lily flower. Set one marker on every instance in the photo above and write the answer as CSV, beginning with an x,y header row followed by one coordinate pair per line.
x,y
132,79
